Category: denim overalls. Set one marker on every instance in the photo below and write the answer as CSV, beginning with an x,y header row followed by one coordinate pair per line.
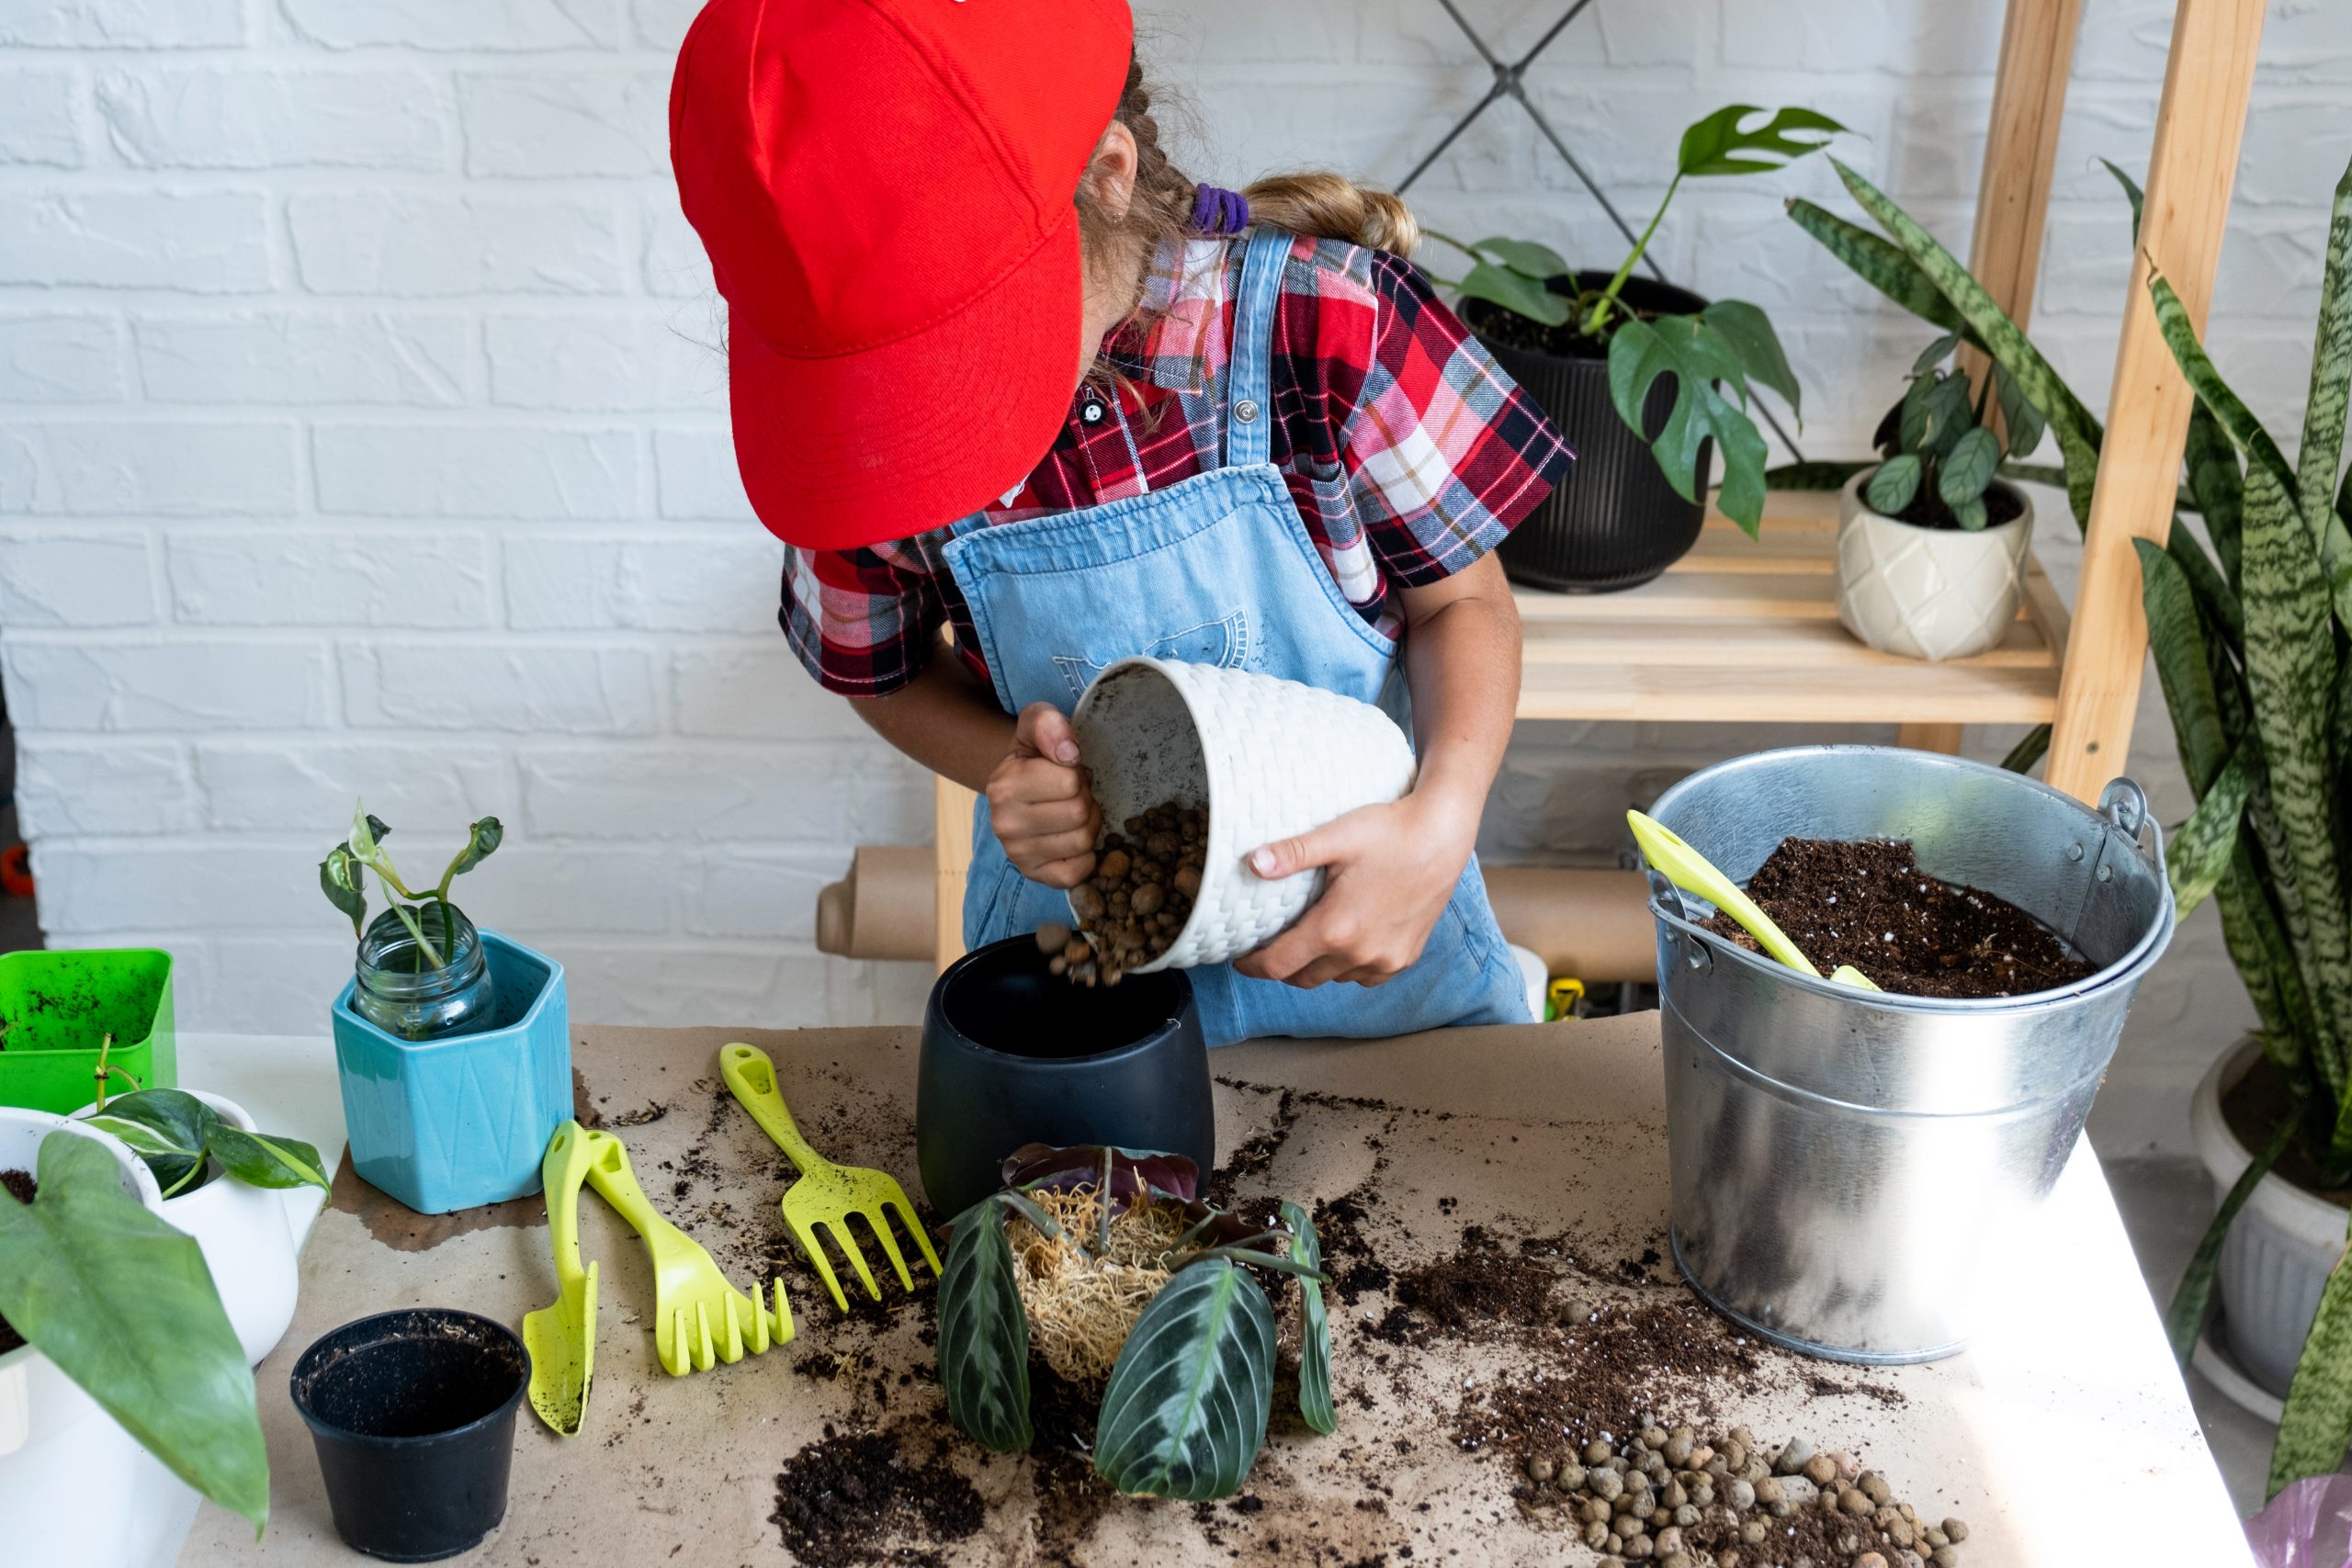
x,y
1216,569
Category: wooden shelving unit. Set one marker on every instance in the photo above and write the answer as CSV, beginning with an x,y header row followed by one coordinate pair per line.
x,y
1746,630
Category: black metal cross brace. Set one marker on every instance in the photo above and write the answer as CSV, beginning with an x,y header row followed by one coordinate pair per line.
x,y
1510,82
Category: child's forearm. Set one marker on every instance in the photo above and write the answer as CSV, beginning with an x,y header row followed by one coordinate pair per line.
x,y
1461,658
944,719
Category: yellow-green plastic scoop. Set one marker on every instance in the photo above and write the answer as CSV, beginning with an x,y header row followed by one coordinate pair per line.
x,y
561,1338
1667,855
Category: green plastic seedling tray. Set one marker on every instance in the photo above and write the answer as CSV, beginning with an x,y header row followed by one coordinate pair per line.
x,y
55,1009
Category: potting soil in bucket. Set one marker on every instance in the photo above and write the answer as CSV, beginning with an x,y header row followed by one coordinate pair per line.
x,y
1846,1164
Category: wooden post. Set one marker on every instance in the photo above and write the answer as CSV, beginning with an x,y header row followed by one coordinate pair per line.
x,y
2013,195
2194,162
1924,736
950,830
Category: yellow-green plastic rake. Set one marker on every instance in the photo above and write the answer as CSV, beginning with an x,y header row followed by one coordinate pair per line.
x,y
827,1194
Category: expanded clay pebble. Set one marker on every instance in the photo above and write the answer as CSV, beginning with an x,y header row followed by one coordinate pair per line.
x,y
1141,894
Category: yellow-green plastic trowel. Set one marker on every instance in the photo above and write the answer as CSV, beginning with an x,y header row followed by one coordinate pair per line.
x,y
1693,873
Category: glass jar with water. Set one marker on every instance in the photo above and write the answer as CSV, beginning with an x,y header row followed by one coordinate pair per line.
x,y
404,992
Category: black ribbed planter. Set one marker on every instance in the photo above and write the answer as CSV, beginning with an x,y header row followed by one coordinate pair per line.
x,y
1012,1054
1615,522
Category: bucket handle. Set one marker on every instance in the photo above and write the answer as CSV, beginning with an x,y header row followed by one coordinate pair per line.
x,y
2125,805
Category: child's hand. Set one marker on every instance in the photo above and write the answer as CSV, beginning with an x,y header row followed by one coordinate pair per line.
x,y
1039,804
1392,869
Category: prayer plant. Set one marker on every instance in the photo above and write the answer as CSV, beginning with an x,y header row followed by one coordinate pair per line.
x,y
1728,344
2252,645
1106,1263
343,877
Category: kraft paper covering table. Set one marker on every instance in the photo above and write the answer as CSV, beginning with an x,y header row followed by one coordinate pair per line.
x,y
2065,1438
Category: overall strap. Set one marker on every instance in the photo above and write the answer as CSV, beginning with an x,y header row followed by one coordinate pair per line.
x,y
1248,403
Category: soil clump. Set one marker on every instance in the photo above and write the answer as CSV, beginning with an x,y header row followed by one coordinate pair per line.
x,y
21,1187
1866,902
860,1497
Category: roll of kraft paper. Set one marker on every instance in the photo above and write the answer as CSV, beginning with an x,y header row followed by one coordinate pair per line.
x,y
883,909
1594,925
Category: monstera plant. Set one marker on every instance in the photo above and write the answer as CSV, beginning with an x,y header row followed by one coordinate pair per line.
x,y
1105,1264
2252,645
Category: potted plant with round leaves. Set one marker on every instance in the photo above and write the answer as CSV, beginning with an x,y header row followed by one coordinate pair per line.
x,y
1646,382
1931,545
451,1042
1106,1265
115,1339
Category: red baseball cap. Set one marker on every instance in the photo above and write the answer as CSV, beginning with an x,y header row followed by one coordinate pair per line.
x,y
885,187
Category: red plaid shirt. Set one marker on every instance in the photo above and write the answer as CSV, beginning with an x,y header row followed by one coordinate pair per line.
x,y
1408,450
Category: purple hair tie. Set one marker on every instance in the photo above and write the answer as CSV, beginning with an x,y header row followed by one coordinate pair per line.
x,y
1219,212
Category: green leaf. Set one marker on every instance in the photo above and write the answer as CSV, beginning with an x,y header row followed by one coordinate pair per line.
x,y
2132,191
1970,513
486,836
122,1302
1878,263
1948,415
2331,383
2176,639
1935,354
342,880
2317,1426
2217,484
1185,1410
1525,257
2078,434
2185,1319
259,1160
2200,851
1515,293
167,1128
365,831
1891,488
2019,417
1749,332
2030,749
2215,596
1709,145
1315,1346
1968,467
1696,355
984,1333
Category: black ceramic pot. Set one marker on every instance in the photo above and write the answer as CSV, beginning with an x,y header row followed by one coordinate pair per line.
x,y
1012,1054
413,1414
1615,522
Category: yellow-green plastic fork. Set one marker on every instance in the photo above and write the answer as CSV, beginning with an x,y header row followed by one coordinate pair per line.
x,y
561,1338
699,1318
1676,860
827,1194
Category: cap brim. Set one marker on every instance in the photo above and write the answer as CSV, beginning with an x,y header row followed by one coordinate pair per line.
x,y
895,440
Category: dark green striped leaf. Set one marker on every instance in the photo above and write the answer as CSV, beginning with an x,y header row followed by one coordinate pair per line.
x,y
2317,1426
2132,191
1315,1346
2177,640
2030,749
2214,594
1185,1410
2019,417
984,1333
2202,848
2322,444
2217,485
1878,263
2185,1319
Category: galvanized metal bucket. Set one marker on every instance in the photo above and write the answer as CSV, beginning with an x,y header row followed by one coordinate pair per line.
x,y
1849,1164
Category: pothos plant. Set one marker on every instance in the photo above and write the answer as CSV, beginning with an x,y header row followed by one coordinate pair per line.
x,y
181,1139
343,877
1105,1262
1730,342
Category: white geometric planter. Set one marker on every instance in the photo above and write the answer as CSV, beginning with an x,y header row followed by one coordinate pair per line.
x,y
246,1243
1270,759
2279,1249
67,1492
1932,593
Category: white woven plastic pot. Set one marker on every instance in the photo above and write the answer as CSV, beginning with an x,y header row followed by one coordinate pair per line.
x,y
1931,593
1270,759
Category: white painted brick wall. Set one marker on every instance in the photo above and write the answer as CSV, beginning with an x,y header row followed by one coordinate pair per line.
x,y
362,428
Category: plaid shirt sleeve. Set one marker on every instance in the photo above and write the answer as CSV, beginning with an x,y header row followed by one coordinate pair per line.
x,y
1444,453
863,621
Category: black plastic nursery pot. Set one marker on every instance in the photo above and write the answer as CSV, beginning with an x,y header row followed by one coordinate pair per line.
x,y
1014,1054
413,1414
1615,522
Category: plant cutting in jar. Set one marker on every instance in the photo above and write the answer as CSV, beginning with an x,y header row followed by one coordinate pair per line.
x,y
343,877
1104,1262
124,1305
1730,342
2252,645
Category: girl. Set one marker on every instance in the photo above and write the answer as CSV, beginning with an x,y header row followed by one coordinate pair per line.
x,y
998,370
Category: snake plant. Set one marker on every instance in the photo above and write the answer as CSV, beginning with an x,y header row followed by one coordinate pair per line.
x,y
2252,645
